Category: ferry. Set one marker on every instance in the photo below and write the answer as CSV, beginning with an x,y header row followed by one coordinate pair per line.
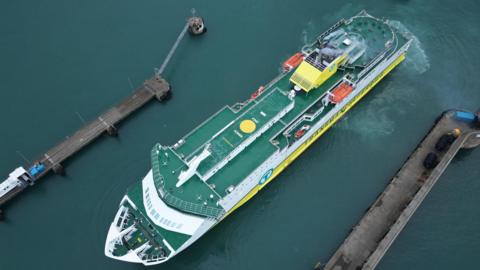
x,y
222,163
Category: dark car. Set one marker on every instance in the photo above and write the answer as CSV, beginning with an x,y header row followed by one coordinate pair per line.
x,y
444,142
430,161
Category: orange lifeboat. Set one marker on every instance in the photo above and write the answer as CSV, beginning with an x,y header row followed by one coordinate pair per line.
x,y
341,92
257,93
293,62
301,131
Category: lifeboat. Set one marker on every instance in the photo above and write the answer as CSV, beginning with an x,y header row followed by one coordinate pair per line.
x,y
257,93
301,131
340,93
293,62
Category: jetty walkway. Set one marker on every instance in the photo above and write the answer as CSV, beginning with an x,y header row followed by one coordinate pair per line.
x,y
52,160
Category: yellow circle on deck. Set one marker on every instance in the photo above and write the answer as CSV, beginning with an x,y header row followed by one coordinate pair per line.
x,y
247,126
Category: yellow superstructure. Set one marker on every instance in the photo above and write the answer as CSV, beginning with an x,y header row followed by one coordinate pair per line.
x,y
309,77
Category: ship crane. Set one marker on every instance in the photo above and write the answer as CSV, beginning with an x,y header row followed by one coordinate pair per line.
x,y
195,26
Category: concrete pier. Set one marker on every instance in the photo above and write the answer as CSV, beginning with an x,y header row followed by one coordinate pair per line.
x,y
388,215
52,160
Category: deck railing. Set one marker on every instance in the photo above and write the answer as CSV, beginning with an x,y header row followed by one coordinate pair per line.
x,y
174,201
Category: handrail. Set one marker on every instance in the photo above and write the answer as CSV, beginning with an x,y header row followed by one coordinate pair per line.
x,y
173,200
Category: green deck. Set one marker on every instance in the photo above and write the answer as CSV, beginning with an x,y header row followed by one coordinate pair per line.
x,y
195,190
166,167
222,131
263,111
206,131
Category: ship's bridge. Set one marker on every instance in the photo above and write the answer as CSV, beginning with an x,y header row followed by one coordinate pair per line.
x,y
355,43
315,70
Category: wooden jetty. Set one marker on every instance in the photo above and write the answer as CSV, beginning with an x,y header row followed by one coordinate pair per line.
x,y
387,216
154,88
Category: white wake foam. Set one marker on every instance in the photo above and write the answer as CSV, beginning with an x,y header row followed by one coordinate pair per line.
x,y
417,58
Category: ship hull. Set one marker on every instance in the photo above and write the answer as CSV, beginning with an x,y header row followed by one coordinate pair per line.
x,y
280,160
190,190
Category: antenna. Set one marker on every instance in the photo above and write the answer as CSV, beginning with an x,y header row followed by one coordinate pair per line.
x,y
22,156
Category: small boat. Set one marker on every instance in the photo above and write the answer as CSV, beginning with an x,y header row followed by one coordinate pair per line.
x,y
293,62
301,131
340,93
258,92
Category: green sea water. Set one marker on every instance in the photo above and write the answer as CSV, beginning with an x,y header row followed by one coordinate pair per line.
x,y
62,59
